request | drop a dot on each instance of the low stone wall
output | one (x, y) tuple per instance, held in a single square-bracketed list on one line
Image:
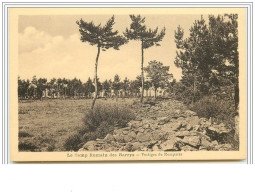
[(166, 126)]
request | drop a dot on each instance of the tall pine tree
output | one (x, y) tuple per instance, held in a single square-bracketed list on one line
[(148, 37), (103, 37)]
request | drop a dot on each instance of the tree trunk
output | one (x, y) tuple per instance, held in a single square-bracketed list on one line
[(142, 76), (96, 64)]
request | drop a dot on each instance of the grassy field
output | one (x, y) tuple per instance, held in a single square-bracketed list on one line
[(44, 126)]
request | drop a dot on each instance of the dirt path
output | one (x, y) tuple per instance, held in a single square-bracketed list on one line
[(165, 126)]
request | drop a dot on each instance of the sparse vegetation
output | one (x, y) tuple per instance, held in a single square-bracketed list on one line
[(98, 122), (46, 125)]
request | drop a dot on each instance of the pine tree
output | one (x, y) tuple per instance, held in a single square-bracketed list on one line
[(158, 75), (148, 38), (103, 37)]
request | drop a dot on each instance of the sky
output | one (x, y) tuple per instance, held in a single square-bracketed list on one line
[(50, 46)]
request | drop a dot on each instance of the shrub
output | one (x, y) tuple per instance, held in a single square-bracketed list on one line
[(24, 134), (39, 143), (219, 110), (99, 122), (73, 142), (27, 145), (222, 111), (109, 115)]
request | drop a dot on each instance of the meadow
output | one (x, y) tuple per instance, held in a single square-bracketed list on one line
[(45, 125)]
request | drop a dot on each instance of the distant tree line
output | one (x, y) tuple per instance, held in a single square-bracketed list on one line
[(157, 76)]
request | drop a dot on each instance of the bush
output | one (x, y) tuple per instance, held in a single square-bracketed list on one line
[(220, 110), (24, 134), (73, 142), (39, 143), (27, 146), (99, 122), (110, 115)]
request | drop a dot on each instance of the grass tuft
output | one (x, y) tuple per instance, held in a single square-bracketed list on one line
[(97, 123)]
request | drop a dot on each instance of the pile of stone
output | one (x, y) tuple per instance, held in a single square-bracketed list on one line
[(166, 126)]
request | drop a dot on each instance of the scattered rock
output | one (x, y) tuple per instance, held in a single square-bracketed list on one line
[(168, 145), (147, 126), (119, 138), (128, 147), (172, 126), (156, 147), (163, 120), (190, 113), (132, 134), (196, 128), (165, 126), (125, 132), (143, 137), (189, 127), (128, 138), (136, 146), (185, 133), (90, 145), (219, 133), (206, 144), (192, 140), (223, 147), (109, 138)]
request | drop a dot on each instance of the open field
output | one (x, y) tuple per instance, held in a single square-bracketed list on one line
[(166, 124), (44, 126)]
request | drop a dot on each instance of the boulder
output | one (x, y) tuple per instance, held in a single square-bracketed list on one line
[(177, 112), (134, 124), (193, 121), (125, 132), (146, 126), (192, 141), (90, 145), (163, 120), (172, 126), (109, 138), (127, 138), (141, 130), (132, 134), (143, 137), (206, 144), (119, 138), (136, 146), (117, 131), (128, 147), (168, 145), (189, 127), (158, 135), (185, 133), (188, 148), (219, 133), (190, 113), (196, 127), (156, 147), (223, 147)]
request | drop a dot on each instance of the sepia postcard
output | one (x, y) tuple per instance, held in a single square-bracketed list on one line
[(127, 84)]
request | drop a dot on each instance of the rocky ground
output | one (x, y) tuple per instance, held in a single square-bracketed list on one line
[(165, 126)]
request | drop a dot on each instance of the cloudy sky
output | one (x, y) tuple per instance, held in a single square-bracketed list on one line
[(50, 46)]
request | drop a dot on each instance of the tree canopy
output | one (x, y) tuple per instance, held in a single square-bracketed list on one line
[(157, 74), (102, 36)]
